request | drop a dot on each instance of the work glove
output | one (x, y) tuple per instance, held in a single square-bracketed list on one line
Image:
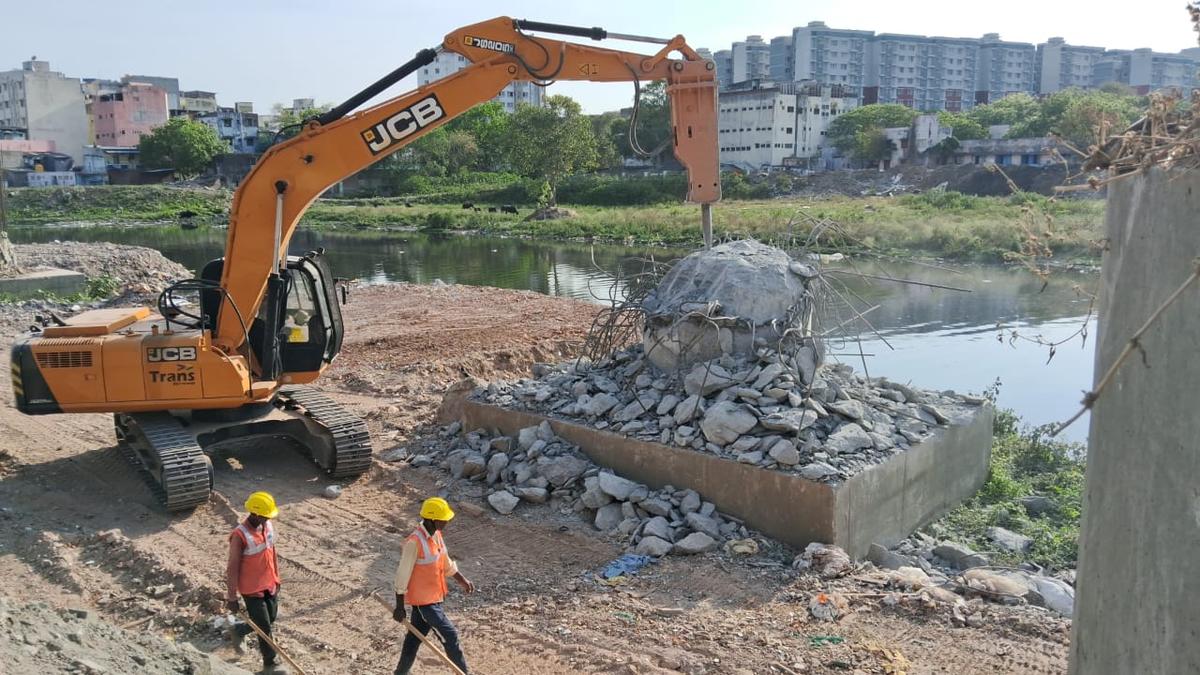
[(399, 615)]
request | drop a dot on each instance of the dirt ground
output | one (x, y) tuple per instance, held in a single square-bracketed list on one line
[(539, 606)]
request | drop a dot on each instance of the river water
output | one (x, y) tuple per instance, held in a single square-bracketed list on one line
[(933, 338)]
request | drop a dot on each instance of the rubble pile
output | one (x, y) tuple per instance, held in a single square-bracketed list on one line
[(538, 467), (755, 411), (135, 270), (34, 638), (731, 364)]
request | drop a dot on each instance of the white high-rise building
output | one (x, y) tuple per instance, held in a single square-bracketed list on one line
[(510, 97), (751, 59), (1063, 66)]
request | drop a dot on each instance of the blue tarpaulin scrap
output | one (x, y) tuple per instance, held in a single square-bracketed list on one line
[(629, 563)]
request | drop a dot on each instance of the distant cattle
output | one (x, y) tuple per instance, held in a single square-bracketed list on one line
[(478, 210), (409, 204), (468, 205), (508, 208), (492, 209)]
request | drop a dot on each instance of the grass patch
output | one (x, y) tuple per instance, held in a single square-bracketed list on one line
[(115, 203), (1025, 461), (936, 223)]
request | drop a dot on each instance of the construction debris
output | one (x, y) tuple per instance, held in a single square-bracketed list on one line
[(756, 411), (539, 467), (35, 638)]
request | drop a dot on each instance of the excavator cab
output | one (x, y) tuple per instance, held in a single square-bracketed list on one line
[(305, 312)]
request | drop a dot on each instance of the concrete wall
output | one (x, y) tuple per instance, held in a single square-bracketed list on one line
[(884, 503), (1136, 608)]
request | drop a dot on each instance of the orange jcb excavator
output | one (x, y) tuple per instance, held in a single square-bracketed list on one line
[(190, 376)]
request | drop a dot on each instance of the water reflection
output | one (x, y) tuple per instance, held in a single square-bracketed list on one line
[(938, 338)]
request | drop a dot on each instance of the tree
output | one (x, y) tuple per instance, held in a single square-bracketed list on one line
[(610, 129), (1011, 109), (1078, 116), (445, 152), (962, 127), (487, 124), (181, 144), (551, 142), (286, 117), (844, 133), (1118, 88), (873, 146)]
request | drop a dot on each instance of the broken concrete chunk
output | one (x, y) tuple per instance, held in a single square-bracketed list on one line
[(818, 471), (656, 506), (657, 527), (694, 543), (785, 453), (705, 379), (608, 517), (848, 438), (526, 437), (653, 546), (690, 502), (725, 422), (597, 405), (503, 501), (615, 486), (561, 470), (853, 409), (667, 404), (1009, 540), (535, 495), (704, 524)]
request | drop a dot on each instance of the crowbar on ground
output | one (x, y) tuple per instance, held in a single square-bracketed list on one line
[(263, 636)]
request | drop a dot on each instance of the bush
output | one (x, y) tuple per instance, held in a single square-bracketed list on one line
[(1025, 462), (943, 200), (438, 221)]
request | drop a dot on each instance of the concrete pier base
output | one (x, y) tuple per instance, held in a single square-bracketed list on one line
[(1136, 605), (30, 284), (884, 503)]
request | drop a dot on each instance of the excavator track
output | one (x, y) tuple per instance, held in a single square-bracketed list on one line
[(351, 441), (167, 456)]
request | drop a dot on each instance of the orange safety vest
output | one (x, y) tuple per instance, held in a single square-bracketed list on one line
[(427, 585), (258, 571)]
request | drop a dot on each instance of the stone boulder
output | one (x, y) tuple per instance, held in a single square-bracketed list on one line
[(726, 421)]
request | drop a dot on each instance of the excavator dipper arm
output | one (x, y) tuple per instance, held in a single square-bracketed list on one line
[(292, 174)]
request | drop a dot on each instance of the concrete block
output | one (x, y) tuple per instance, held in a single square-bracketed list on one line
[(32, 284), (882, 504)]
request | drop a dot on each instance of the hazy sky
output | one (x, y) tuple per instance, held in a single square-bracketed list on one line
[(271, 51)]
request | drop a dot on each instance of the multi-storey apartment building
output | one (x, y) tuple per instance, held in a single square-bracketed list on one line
[(926, 73), (1003, 68), (831, 56), (751, 59), (1062, 66), (510, 97)]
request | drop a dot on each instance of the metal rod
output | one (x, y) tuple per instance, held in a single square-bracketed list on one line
[(429, 643), (3, 200), (269, 641), (899, 281), (706, 224), (423, 58), (638, 38), (280, 188)]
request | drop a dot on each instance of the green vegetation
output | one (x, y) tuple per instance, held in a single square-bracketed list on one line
[(1024, 462), (550, 142), (859, 132), (946, 224), (115, 203), (181, 144), (636, 211)]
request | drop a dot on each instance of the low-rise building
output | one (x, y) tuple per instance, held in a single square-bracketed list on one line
[(121, 119), (1006, 152), (238, 129), (764, 124), (193, 103), (46, 105)]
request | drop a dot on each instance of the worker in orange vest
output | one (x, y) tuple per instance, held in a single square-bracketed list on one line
[(421, 583), (253, 573)]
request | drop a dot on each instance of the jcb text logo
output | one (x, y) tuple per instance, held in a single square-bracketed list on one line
[(403, 124), (493, 45), (159, 354)]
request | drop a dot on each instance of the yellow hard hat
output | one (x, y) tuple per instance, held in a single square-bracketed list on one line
[(436, 508), (262, 504)]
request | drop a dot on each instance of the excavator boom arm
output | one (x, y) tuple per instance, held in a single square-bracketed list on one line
[(292, 174)]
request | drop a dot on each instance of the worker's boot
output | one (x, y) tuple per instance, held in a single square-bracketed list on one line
[(275, 669)]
